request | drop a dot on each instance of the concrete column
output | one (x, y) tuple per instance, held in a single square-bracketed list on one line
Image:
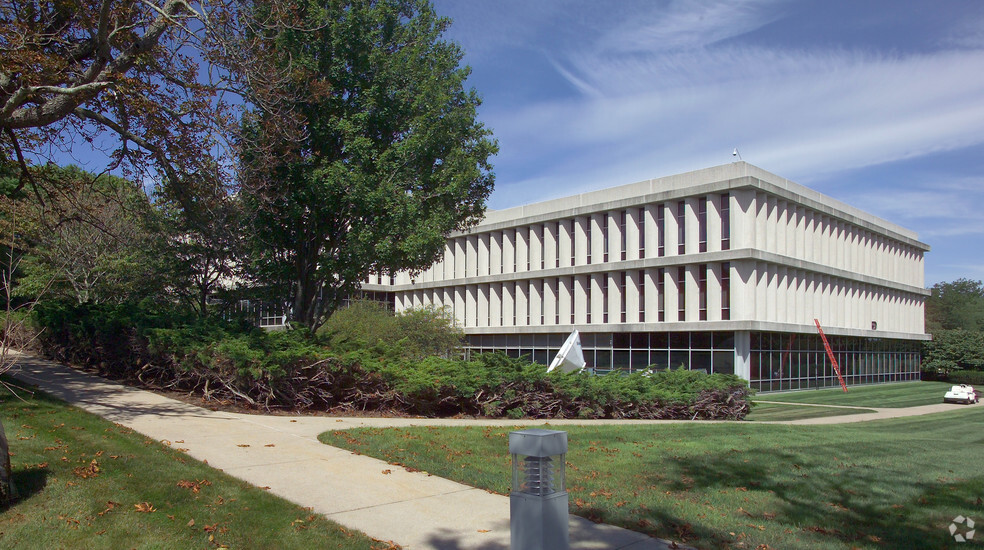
[(522, 303), (714, 291), (508, 304), (522, 249), (614, 297), (743, 218), (614, 222), (536, 247), (483, 254), (692, 227), (713, 223), (761, 292), (633, 313), (743, 353), (632, 232), (671, 229), (598, 222), (651, 230), (597, 298), (693, 292), (650, 311), (581, 304), (459, 306), (550, 301), (565, 243), (799, 248), (509, 251), (459, 258), (781, 227), (471, 255), (482, 297), (671, 294), (565, 295), (495, 305), (550, 245), (581, 224), (471, 306), (771, 223), (536, 302), (495, 253)]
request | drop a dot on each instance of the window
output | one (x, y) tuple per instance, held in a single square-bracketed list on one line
[(587, 237), (642, 295), (641, 221), (661, 294), (622, 232), (702, 223), (556, 298), (621, 289), (604, 238), (604, 298), (557, 244), (661, 229), (726, 291), (572, 287), (726, 221), (681, 293), (587, 299), (681, 227), (573, 247), (702, 291)]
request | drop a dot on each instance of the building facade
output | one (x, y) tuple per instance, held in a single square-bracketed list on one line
[(724, 269)]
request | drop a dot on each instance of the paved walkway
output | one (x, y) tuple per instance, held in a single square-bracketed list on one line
[(413, 509)]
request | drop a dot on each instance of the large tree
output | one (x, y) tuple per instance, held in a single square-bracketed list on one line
[(955, 305), (390, 158), (141, 80)]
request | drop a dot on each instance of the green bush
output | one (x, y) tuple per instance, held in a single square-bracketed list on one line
[(954, 350), (972, 377), (239, 363), (416, 332)]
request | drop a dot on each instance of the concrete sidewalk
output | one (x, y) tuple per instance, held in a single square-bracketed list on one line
[(413, 509)]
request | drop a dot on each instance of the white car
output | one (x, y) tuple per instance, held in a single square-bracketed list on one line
[(961, 394)]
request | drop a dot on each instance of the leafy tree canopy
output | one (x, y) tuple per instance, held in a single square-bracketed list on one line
[(390, 160), (955, 305)]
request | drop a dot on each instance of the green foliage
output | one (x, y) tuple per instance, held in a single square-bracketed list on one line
[(953, 350), (972, 377), (391, 157), (233, 361), (414, 333), (956, 305)]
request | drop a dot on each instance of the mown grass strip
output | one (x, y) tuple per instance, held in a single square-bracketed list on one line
[(902, 394), (775, 412), (88, 483), (876, 485)]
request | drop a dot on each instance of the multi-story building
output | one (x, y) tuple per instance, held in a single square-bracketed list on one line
[(724, 269)]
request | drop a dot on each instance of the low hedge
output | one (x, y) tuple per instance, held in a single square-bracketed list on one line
[(236, 363), (972, 377)]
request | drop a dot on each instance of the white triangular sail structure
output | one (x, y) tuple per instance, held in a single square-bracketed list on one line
[(569, 358)]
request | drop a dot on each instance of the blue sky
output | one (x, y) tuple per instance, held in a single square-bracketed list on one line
[(877, 103)]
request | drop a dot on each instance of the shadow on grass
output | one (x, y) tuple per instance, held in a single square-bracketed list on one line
[(27, 483), (853, 503)]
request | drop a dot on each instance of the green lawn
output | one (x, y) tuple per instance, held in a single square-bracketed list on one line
[(902, 394), (774, 412), (88, 483), (884, 484)]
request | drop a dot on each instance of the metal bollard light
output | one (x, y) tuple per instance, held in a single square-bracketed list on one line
[(538, 500)]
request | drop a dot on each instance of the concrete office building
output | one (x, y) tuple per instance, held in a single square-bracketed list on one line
[(722, 269)]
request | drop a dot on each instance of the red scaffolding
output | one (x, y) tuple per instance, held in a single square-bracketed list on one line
[(830, 354)]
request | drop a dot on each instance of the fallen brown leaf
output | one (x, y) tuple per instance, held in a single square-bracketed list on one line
[(145, 507)]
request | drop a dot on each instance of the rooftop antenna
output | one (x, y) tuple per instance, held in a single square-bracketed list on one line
[(735, 153)]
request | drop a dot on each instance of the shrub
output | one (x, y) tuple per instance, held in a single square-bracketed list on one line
[(972, 377), (255, 368), (416, 332), (953, 350)]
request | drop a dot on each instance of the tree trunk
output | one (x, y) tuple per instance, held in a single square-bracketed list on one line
[(7, 491)]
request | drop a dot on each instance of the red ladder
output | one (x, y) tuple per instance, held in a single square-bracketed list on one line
[(830, 354)]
